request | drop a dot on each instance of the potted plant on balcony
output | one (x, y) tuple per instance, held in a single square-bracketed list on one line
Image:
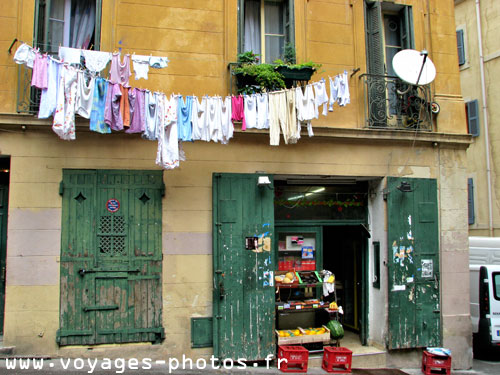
[(290, 70), (252, 77)]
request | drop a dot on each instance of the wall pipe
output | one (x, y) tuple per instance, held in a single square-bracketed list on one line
[(485, 115)]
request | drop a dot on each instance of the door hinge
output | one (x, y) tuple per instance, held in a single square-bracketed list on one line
[(100, 308)]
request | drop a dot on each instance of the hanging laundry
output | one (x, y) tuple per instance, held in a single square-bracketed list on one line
[(96, 61), (70, 55), (125, 107), (212, 118), (112, 114), (321, 97), (334, 92), (226, 123), (120, 72), (184, 126), (158, 62), (200, 130), (136, 99), (344, 96), (141, 66), (277, 116), (167, 155), (262, 111), (25, 55), (292, 134), (97, 123), (84, 94), (305, 107), (250, 109), (64, 117), (151, 109), (238, 111), (48, 99), (39, 74)]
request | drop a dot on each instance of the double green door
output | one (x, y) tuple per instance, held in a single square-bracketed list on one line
[(111, 257)]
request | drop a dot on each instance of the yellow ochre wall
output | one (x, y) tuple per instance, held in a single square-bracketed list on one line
[(200, 39)]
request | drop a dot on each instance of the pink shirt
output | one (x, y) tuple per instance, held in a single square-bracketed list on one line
[(39, 75), (238, 111), (120, 72)]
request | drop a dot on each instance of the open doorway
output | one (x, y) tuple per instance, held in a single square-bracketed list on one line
[(343, 255)]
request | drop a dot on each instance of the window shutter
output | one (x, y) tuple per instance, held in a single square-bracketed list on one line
[(472, 108), (460, 47), (290, 22), (406, 29), (470, 199), (374, 40), (241, 25)]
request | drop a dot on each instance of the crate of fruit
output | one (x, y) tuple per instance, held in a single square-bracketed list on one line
[(287, 278), (321, 334), (289, 336)]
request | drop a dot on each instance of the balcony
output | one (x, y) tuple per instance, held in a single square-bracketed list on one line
[(28, 97), (393, 104)]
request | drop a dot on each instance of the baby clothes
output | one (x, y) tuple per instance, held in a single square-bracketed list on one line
[(84, 95), (334, 92), (70, 55), (305, 107), (141, 66), (158, 62), (39, 74), (95, 61), (120, 72), (321, 96), (64, 117), (262, 111), (212, 114), (250, 109), (184, 126), (200, 130), (25, 55), (344, 96), (238, 111), (97, 123), (112, 113), (225, 120), (167, 155), (48, 99), (136, 99), (151, 108)]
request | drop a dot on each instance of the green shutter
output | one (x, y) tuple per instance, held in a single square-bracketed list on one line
[(241, 26), (374, 38), (111, 257), (406, 28), (289, 22), (461, 47), (472, 108), (413, 264), (243, 304), (470, 200)]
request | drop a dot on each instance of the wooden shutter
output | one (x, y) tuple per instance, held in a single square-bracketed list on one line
[(289, 22), (472, 109), (413, 264), (243, 298), (470, 200), (374, 38), (406, 28), (461, 47)]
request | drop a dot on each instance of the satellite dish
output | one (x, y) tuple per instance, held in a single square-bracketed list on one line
[(414, 67)]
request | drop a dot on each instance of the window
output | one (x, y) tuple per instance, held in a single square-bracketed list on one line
[(69, 23), (461, 47), (472, 113), (470, 200), (389, 29), (496, 285), (265, 26)]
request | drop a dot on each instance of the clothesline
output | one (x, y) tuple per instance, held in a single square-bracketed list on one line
[(112, 104)]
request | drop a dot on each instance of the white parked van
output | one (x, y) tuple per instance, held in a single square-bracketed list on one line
[(484, 257)]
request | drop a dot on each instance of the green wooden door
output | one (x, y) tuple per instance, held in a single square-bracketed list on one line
[(111, 257), (413, 264), (243, 298), (4, 198)]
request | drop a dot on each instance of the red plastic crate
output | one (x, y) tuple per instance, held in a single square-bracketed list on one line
[(296, 358), (337, 360), (433, 364)]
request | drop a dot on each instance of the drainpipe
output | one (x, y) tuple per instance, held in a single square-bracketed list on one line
[(485, 116)]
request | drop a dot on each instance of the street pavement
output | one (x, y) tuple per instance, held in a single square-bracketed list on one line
[(57, 366)]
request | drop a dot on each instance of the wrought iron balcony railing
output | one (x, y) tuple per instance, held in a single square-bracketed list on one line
[(393, 104), (28, 97)]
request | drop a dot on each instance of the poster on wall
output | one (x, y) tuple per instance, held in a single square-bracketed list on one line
[(427, 268)]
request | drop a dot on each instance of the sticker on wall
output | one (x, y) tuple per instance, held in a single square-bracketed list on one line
[(113, 205), (427, 268)]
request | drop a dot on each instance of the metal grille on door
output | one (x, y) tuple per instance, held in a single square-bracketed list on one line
[(112, 235)]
